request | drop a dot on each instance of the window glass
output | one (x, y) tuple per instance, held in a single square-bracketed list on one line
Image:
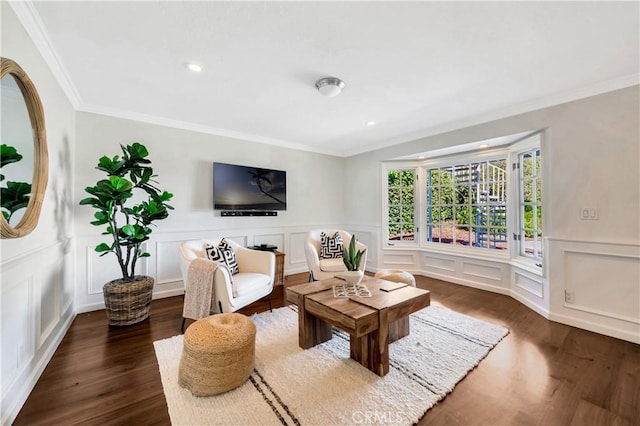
[(463, 195), (401, 204)]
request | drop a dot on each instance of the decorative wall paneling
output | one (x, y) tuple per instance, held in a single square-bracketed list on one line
[(36, 312), (94, 271), (602, 282)]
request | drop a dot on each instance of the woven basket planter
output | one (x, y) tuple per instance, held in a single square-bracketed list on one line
[(128, 302)]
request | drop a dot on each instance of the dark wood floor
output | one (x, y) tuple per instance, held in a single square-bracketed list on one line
[(542, 373)]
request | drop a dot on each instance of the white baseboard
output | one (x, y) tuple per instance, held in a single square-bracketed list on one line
[(596, 328)]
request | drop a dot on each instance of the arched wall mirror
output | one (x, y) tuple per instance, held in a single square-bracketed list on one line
[(25, 167)]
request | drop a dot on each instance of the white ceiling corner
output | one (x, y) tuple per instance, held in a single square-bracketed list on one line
[(416, 68), (28, 16)]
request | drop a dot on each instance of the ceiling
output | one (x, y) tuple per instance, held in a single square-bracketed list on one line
[(415, 68)]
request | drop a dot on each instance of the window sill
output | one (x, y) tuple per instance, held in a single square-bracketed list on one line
[(528, 265)]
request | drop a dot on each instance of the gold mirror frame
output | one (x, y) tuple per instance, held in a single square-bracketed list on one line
[(40, 157)]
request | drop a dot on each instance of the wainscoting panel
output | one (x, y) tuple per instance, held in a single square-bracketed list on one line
[(295, 252), (36, 312), (404, 260), (270, 239), (50, 300), (168, 262), (439, 264), (102, 269), (484, 274), (488, 272), (93, 271), (18, 327), (602, 284), (588, 275), (530, 284)]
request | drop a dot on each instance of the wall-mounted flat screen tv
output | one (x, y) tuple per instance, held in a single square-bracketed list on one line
[(248, 188)]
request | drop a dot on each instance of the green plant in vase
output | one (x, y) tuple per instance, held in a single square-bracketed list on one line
[(128, 225), (351, 258), (15, 195)]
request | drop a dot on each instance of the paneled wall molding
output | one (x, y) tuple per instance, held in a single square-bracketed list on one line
[(617, 244), (14, 261), (20, 388), (37, 310), (466, 282), (164, 266), (597, 274), (595, 286)]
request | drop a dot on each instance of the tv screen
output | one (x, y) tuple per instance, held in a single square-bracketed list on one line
[(248, 188)]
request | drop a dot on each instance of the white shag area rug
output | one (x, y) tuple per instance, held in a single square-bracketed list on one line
[(323, 386)]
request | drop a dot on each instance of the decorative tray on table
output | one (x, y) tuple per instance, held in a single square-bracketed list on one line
[(351, 290)]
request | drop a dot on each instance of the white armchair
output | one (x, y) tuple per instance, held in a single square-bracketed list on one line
[(320, 269), (253, 281)]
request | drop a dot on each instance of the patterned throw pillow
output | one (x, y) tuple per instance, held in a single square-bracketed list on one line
[(330, 247), (223, 254)]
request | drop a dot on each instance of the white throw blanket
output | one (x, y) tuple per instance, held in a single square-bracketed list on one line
[(199, 288)]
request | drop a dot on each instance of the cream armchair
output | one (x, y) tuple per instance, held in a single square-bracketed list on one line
[(320, 269), (253, 281)]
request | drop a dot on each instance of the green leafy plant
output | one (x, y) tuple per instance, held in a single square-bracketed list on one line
[(351, 256), (128, 225), (15, 195)]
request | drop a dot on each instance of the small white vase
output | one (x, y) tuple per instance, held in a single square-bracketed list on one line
[(352, 277)]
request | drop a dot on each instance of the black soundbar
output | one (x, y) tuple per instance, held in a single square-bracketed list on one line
[(246, 213)]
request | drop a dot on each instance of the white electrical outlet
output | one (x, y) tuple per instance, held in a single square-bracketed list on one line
[(569, 296), (588, 213)]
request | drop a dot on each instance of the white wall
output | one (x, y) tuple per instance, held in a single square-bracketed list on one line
[(36, 289), (591, 159), (183, 161)]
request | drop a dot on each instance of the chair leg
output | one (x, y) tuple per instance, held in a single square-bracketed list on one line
[(220, 306), (269, 299), (182, 326)]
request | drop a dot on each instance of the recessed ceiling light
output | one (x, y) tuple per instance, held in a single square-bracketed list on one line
[(371, 123), (484, 145), (194, 67), (421, 157)]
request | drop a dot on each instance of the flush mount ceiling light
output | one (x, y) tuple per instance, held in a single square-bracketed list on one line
[(330, 86), (371, 123)]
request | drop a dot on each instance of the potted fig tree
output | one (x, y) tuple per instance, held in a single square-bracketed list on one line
[(127, 225)]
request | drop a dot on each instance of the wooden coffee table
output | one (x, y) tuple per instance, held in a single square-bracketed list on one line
[(372, 322)]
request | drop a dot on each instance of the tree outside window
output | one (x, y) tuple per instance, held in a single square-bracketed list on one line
[(401, 194)]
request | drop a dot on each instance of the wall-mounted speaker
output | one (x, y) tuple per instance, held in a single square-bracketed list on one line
[(247, 213)]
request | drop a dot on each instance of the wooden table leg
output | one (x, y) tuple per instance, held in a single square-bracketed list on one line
[(311, 330), (398, 329), (372, 350)]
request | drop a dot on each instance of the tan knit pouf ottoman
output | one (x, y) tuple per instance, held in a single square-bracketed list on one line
[(397, 276), (218, 354)]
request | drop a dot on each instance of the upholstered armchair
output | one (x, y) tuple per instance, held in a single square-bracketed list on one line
[(322, 268), (228, 293)]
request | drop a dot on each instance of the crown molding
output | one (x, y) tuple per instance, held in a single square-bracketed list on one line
[(524, 107), (30, 19), (196, 127)]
